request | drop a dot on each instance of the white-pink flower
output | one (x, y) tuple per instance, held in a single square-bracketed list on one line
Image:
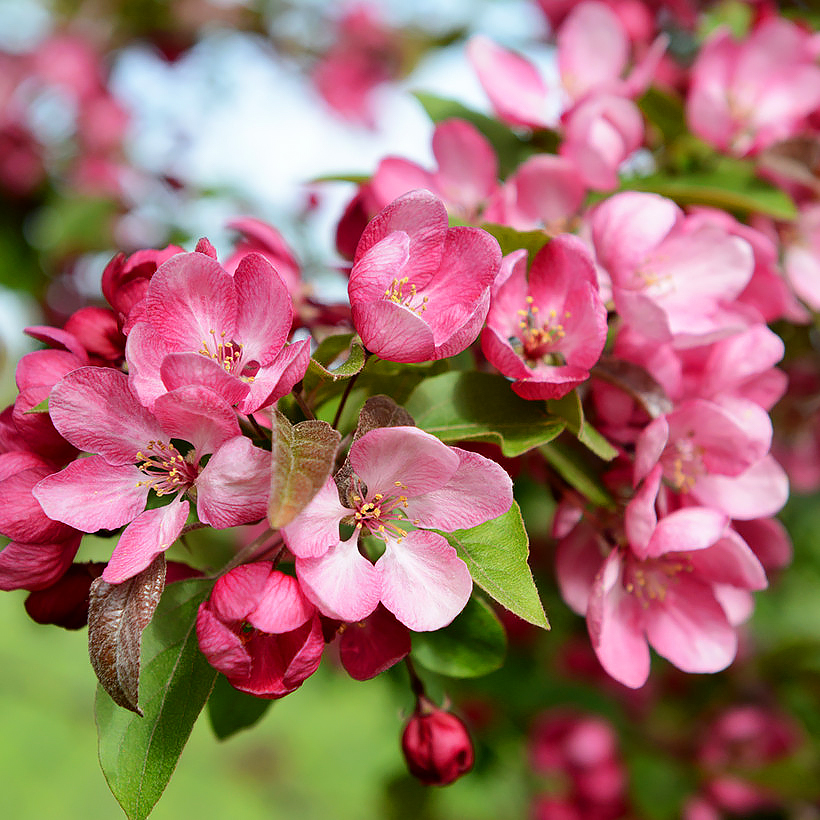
[(403, 479)]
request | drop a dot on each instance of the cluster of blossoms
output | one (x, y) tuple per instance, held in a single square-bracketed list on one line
[(192, 400)]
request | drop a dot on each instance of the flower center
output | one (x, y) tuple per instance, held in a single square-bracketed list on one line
[(381, 514), (168, 472), (649, 580), (683, 463), (537, 337), (227, 354), (403, 293)]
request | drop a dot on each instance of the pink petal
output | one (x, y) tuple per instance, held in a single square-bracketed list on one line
[(143, 539), (640, 519), (62, 338), (264, 310), (369, 647), (689, 627), (145, 353), (94, 409), (396, 176), (21, 517), (277, 379), (692, 528), (197, 415), (342, 583), (394, 332), (184, 369), (283, 606), (515, 88), (615, 623), (237, 593), (92, 495), (478, 491), (35, 566), (402, 457), (548, 189), (191, 299), (423, 581), (221, 645), (234, 487), (45, 367), (730, 561), (316, 528), (577, 561)]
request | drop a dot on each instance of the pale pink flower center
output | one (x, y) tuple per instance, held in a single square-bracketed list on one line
[(538, 336), (381, 515), (402, 292), (168, 471), (683, 461), (228, 355), (649, 580)]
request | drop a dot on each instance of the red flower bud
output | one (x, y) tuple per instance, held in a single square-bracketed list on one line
[(436, 745)]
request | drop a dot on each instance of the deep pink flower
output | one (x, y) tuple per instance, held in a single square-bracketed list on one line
[(368, 647), (402, 477), (95, 410), (260, 631), (201, 326), (420, 290), (545, 331)]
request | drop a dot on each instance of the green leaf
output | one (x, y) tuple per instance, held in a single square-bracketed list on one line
[(731, 186), (510, 149), (570, 409), (327, 353), (139, 754), (496, 555), (302, 457), (665, 111), (42, 407), (463, 405), (230, 710), (577, 473), (512, 240), (474, 644)]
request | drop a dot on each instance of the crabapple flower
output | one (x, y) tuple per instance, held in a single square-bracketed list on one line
[(662, 585), (545, 332), (436, 745), (201, 326), (260, 631), (133, 454), (420, 290), (401, 477)]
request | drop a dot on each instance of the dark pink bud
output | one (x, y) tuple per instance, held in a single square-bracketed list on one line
[(65, 602), (436, 745)]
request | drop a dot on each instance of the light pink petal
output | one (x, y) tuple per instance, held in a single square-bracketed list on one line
[(283, 606), (515, 88), (640, 518), (143, 539), (264, 311), (234, 487), (278, 378), (501, 355), (92, 495), (184, 369), (730, 561), (461, 337), (316, 528), (738, 604), (478, 491), (760, 491), (424, 582), (396, 176), (197, 415), (548, 190), (768, 539), (650, 446), (593, 49), (94, 409), (145, 352), (35, 566), (191, 300), (21, 517), (467, 168), (406, 460), (691, 528), (550, 382), (45, 367), (615, 623), (394, 332), (642, 74), (577, 561), (342, 583), (689, 627)]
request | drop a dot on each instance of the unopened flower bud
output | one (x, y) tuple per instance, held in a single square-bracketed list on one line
[(436, 745)]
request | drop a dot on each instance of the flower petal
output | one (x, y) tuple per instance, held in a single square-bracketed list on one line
[(316, 528)]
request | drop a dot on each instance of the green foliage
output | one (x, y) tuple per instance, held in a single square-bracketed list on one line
[(139, 754), (512, 240), (496, 553), (474, 644), (458, 406), (569, 408), (230, 710), (329, 351)]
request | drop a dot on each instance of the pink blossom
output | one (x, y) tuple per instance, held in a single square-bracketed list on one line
[(402, 477), (801, 257), (675, 278), (369, 647), (95, 410), (745, 96), (545, 331), (258, 629), (436, 745), (200, 325), (420, 290), (661, 587)]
